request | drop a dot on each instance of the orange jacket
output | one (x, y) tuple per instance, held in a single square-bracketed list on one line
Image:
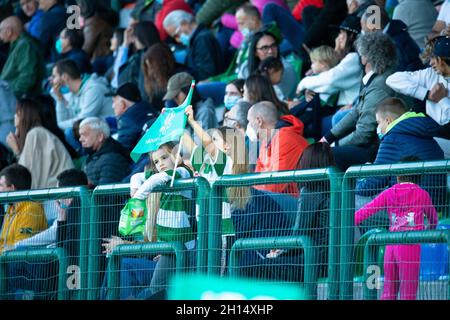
[(282, 153)]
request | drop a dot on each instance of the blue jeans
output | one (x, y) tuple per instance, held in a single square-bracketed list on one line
[(338, 116), (291, 29)]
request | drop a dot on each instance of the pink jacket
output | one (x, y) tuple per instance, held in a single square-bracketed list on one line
[(406, 204)]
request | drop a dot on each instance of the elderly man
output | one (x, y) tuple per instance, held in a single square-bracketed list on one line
[(430, 85), (24, 69), (355, 135), (281, 143), (107, 161), (204, 57)]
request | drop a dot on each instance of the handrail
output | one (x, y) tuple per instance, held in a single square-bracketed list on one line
[(287, 242), (405, 237), (142, 249)]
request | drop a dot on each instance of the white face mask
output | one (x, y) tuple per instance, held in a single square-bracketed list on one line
[(251, 133), (246, 33)]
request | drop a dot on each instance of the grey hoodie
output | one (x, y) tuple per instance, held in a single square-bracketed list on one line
[(419, 16), (90, 101)]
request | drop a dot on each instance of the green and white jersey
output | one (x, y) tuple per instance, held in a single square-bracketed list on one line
[(174, 218), (211, 169)]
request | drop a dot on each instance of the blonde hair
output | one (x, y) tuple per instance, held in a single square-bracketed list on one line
[(238, 196), (325, 54)]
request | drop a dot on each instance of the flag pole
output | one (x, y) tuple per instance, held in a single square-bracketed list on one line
[(176, 161)]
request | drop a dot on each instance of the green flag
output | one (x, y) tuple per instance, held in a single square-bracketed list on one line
[(168, 127)]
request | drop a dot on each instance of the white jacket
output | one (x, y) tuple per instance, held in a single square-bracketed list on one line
[(416, 84), (344, 78)]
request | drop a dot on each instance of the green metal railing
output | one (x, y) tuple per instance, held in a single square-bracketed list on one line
[(41, 255), (144, 249), (301, 242), (200, 185), (330, 175), (347, 228), (409, 237)]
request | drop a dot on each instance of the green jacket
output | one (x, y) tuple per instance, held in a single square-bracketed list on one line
[(24, 70), (213, 9)]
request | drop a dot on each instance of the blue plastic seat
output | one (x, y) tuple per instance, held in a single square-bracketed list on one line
[(434, 260)]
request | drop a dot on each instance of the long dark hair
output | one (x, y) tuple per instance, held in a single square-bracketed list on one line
[(147, 33), (253, 60), (158, 65), (30, 117), (260, 88), (316, 156)]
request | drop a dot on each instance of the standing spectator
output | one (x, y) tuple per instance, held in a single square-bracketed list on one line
[(52, 22), (204, 57), (430, 85), (281, 143), (69, 46), (407, 204), (355, 134), (22, 219), (36, 148), (132, 114), (419, 16), (24, 69), (158, 65), (31, 9), (107, 161), (86, 96)]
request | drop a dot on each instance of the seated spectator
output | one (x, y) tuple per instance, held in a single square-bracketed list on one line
[(281, 143), (158, 65), (169, 6), (355, 134), (22, 219), (272, 68), (236, 117), (132, 114), (24, 68), (36, 148), (430, 85), (419, 16), (402, 134), (407, 50), (96, 29), (107, 161), (204, 111), (258, 88), (442, 21), (263, 45), (31, 9), (69, 46), (85, 97), (142, 35), (204, 55), (234, 92), (53, 21), (116, 59)]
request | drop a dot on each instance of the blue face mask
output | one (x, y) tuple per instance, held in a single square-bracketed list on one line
[(185, 39), (379, 133), (58, 46), (160, 1), (230, 101), (64, 89)]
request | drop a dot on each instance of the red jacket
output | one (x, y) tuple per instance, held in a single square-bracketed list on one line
[(282, 153), (168, 7), (298, 9)]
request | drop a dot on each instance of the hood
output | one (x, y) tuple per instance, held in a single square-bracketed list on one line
[(396, 27), (290, 123), (415, 124)]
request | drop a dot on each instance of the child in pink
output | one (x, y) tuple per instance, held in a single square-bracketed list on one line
[(407, 204)]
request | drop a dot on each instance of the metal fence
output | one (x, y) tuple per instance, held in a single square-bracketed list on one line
[(303, 235)]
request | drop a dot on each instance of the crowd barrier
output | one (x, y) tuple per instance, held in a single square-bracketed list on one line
[(348, 255)]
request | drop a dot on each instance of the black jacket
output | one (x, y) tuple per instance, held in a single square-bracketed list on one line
[(204, 58), (107, 165)]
